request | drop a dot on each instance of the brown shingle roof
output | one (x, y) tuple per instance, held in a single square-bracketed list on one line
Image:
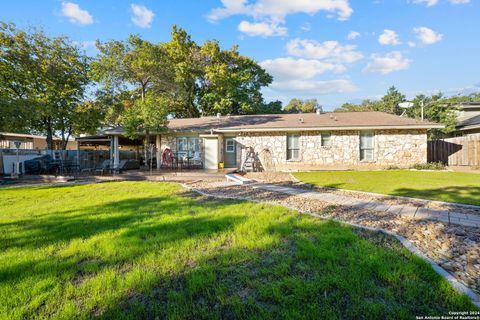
[(294, 122), (309, 121)]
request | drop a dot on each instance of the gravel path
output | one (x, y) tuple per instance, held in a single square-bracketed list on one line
[(454, 247)]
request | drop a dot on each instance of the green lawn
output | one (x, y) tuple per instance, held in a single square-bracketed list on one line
[(443, 186), (147, 250)]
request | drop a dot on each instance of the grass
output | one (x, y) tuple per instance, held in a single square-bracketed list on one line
[(151, 250), (456, 187)]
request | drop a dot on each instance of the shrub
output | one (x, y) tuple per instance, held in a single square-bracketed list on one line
[(429, 166), (392, 168)]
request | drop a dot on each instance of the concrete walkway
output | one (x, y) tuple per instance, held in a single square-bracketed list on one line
[(412, 212)]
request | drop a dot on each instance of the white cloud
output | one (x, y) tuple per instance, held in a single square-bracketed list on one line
[(314, 87), (263, 29), (278, 10), (306, 27), (142, 16), (427, 36), (286, 69), (390, 62), (389, 37), (75, 14), (297, 76), (412, 44), (429, 3), (331, 51), (352, 35)]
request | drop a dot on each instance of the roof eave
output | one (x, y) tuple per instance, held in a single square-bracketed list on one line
[(470, 127), (336, 128)]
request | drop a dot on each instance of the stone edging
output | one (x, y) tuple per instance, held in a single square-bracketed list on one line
[(405, 242), (425, 201)]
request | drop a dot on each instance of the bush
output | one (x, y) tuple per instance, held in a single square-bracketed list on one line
[(392, 168), (429, 166)]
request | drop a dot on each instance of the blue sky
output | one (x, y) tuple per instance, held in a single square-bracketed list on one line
[(332, 50)]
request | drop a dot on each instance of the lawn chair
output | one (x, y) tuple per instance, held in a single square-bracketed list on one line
[(104, 167), (197, 159)]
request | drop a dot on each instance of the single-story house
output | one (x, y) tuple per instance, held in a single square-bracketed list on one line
[(31, 142), (294, 141)]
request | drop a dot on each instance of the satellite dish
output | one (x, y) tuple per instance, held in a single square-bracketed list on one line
[(405, 105)]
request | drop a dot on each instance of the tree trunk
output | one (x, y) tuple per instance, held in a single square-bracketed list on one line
[(65, 139), (49, 134)]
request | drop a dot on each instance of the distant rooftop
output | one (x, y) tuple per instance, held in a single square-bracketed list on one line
[(31, 136)]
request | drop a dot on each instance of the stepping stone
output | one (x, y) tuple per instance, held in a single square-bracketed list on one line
[(424, 213), (404, 210), (408, 211), (372, 205), (361, 204), (395, 209), (382, 207)]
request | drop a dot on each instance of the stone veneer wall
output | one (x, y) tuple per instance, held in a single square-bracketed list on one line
[(400, 148)]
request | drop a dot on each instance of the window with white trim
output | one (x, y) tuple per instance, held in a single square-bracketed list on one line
[(293, 147), (366, 146), (326, 139), (229, 145)]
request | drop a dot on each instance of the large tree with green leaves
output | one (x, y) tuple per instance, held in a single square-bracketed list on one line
[(302, 106), (388, 103), (437, 108), (192, 80), (43, 83), (136, 76), (230, 83)]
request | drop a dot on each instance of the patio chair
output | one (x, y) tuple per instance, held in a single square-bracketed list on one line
[(104, 167), (197, 159)]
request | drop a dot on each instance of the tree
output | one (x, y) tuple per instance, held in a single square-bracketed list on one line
[(185, 59), (146, 115), (437, 109), (43, 82), (15, 66), (388, 103), (302, 106), (135, 75), (231, 83), (273, 107)]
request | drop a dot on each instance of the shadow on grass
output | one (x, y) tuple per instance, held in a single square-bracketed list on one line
[(316, 272), (188, 257), (457, 194)]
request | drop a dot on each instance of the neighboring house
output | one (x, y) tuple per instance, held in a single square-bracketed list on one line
[(296, 141), (31, 142), (31, 146), (468, 117)]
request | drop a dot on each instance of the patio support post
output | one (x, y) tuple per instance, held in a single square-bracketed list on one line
[(159, 151), (116, 154), (78, 154), (110, 151)]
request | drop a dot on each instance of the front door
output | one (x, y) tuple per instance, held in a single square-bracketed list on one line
[(230, 153), (211, 152)]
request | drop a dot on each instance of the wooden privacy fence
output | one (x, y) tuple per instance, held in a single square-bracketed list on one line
[(458, 151)]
